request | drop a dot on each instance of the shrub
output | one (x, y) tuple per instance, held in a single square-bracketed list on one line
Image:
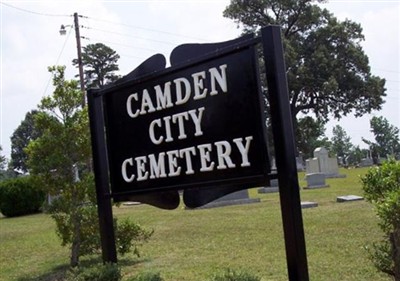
[(100, 272), (146, 276), (129, 235), (20, 196), (232, 275), (382, 188)]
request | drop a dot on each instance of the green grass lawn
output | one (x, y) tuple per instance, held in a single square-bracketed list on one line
[(190, 245)]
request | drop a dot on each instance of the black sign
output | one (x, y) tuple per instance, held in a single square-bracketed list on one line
[(197, 126), (200, 124)]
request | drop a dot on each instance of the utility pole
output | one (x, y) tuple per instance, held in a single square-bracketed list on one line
[(80, 65), (78, 47)]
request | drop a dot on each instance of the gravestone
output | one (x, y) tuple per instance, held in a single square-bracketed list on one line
[(273, 187), (273, 183), (322, 156), (235, 198), (312, 166), (366, 162), (382, 159), (322, 163), (349, 198), (131, 203), (300, 164), (308, 204), (315, 180)]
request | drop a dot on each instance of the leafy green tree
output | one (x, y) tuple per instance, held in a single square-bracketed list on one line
[(310, 135), (387, 140), (382, 188), (55, 156), (20, 139), (3, 159), (341, 142), (99, 64), (57, 160), (327, 69), (5, 173), (355, 155)]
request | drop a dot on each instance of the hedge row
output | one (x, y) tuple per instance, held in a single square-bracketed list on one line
[(20, 196)]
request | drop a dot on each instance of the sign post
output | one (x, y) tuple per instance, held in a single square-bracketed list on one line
[(284, 146), (100, 167)]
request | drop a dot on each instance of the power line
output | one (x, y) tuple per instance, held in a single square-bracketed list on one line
[(132, 36), (125, 45), (58, 59), (63, 47), (35, 13), (148, 29)]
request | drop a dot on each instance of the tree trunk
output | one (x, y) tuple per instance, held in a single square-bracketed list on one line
[(76, 243), (75, 254), (396, 253), (76, 235)]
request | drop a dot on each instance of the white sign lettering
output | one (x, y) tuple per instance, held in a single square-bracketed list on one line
[(206, 157), (172, 163)]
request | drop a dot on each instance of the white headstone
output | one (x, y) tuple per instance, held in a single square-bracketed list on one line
[(322, 155), (348, 198), (333, 167), (308, 204), (312, 166), (322, 163)]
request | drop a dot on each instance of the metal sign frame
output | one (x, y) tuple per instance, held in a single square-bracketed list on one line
[(284, 147)]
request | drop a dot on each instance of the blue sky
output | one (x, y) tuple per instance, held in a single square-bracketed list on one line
[(30, 42)]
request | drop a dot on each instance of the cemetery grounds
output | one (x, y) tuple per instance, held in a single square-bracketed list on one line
[(191, 245)]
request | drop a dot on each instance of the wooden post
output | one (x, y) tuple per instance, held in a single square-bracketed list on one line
[(100, 167), (282, 129)]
